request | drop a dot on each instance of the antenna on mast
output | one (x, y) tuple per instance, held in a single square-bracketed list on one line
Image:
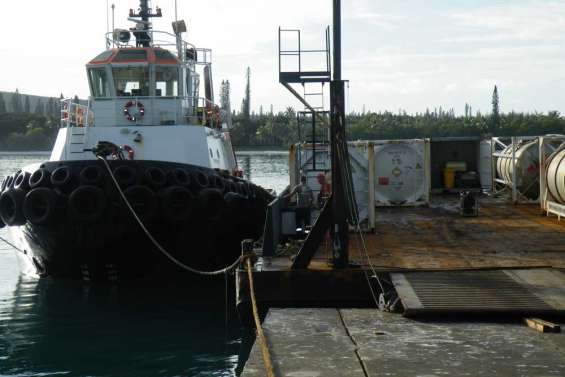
[(144, 25), (107, 24)]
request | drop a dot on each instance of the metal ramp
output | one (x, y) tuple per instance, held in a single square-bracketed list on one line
[(512, 291)]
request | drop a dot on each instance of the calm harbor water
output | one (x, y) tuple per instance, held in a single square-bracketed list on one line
[(52, 328)]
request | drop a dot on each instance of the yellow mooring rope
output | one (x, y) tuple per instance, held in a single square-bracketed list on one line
[(262, 340)]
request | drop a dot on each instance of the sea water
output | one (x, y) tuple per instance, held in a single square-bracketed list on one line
[(69, 328)]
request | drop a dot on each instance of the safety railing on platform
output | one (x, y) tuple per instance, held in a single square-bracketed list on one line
[(196, 110), (74, 114)]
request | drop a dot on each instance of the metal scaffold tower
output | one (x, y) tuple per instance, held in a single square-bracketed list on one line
[(340, 211)]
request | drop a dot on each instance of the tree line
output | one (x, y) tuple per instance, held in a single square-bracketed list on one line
[(286, 127), (28, 122), (31, 123)]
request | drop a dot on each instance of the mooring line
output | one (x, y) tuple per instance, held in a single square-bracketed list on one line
[(262, 340), (155, 242), (10, 244)]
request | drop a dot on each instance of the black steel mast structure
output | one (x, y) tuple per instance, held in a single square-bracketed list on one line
[(341, 174), (339, 212), (145, 13)]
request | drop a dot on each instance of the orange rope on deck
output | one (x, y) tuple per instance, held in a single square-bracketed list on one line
[(262, 340)]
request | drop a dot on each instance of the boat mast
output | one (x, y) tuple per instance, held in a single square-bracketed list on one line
[(144, 25)]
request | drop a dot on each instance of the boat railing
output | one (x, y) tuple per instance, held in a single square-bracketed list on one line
[(195, 110), (75, 114), (187, 51)]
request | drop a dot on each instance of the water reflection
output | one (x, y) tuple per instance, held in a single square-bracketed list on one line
[(61, 327)]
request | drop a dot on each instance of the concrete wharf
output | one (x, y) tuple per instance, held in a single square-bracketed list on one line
[(453, 293)]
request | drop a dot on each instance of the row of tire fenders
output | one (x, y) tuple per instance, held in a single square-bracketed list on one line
[(44, 197)]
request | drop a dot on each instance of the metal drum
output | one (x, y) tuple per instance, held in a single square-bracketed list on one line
[(527, 168), (556, 177)]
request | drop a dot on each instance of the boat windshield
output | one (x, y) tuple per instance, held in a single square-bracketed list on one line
[(99, 82), (166, 81), (131, 81)]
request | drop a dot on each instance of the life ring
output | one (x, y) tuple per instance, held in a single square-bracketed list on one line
[(140, 111)]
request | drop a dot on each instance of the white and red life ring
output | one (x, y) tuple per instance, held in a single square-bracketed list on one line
[(135, 116)]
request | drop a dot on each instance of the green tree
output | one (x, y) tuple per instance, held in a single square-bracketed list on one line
[(39, 107), (27, 105), (16, 102), (2, 104), (495, 116)]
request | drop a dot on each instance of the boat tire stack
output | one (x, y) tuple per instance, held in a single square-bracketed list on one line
[(82, 192)]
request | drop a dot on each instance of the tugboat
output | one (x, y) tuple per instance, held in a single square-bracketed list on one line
[(141, 176)]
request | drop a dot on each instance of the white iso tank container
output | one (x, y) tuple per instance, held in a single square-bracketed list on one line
[(555, 177), (401, 171), (527, 167), (485, 164)]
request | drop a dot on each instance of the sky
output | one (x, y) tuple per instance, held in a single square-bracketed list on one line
[(397, 54)]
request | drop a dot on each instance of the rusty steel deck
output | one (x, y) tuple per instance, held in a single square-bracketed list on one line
[(437, 237), (434, 238)]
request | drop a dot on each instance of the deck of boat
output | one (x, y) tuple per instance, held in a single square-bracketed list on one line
[(438, 237)]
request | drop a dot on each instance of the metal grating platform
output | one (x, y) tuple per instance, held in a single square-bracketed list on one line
[(527, 291)]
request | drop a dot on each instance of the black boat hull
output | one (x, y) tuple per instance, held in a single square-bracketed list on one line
[(80, 227)]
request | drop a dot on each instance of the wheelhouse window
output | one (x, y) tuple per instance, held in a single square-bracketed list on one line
[(166, 81), (131, 81), (99, 82)]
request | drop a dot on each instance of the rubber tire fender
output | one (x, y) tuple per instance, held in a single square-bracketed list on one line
[(235, 203), (218, 182), (125, 175), (11, 207), (155, 177), (143, 201), (212, 203), (62, 178), (179, 177), (40, 205), (200, 180), (91, 175), (40, 178), (87, 204), (177, 203), (243, 189), (9, 182), (4, 184), (22, 181)]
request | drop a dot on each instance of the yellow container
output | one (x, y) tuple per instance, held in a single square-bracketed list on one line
[(449, 178)]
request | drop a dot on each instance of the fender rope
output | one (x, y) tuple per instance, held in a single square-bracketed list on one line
[(156, 243), (262, 340)]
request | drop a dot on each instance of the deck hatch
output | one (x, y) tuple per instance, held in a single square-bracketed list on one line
[(501, 291)]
